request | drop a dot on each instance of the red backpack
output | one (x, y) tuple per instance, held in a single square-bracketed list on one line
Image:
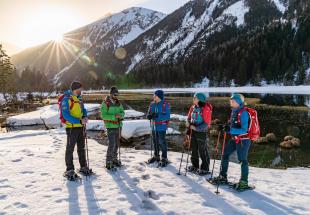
[(254, 127), (62, 119), (206, 113)]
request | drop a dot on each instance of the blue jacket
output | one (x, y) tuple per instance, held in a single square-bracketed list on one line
[(242, 128), (197, 120), (162, 115), (66, 109)]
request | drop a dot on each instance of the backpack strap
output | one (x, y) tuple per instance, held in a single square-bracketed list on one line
[(72, 102), (240, 113)]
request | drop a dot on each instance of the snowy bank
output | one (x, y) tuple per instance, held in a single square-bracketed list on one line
[(50, 116), (300, 90), (131, 128), (32, 163)]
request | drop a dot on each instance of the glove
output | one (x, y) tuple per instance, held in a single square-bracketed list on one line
[(220, 127), (149, 117), (226, 128), (152, 116), (186, 142)]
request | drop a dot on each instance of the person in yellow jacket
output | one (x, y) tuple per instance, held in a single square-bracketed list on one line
[(74, 115)]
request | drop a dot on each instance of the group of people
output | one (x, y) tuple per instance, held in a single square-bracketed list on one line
[(74, 116)]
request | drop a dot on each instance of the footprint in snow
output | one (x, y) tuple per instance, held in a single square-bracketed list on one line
[(17, 160), (20, 205), (151, 194), (56, 189), (145, 177), (2, 197), (26, 172), (148, 205)]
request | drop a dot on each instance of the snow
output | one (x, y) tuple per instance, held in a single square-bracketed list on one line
[(32, 163), (239, 9), (48, 114), (281, 6), (297, 90), (204, 83), (131, 128), (178, 117)]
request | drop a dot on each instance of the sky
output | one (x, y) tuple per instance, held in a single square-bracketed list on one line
[(25, 23)]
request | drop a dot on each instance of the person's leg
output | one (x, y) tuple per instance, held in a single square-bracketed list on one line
[(156, 144), (203, 151), (163, 144), (195, 153), (230, 147), (81, 147), (110, 151), (242, 152), (117, 142), (71, 140)]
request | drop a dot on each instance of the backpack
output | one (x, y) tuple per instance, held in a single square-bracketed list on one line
[(206, 113), (60, 99), (254, 127)]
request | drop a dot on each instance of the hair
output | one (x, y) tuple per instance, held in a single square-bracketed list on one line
[(201, 104)]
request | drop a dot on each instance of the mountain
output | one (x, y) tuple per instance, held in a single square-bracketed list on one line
[(84, 45), (223, 42), (10, 48), (219, 39)]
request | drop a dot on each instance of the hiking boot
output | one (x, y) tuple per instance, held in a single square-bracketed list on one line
[(192, 169), (203, 172), (71, 175), (86, 171), (117, 163), (109, 165), (242, 185), (153, 160), (164, 162), (220, 180)]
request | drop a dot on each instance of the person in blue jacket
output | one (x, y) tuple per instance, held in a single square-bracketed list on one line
[(239, 141), (74, 116), (159, 115)]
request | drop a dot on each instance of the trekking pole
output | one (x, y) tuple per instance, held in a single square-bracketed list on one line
[(151, 138), (216, 153), (179, 173), (188, 151), (86, 146), (223, 148), (119, 141)]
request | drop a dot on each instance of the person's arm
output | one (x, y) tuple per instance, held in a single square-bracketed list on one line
[(84, 110), (105, 115), (122, 113), (202, 127), (66, 112), (244, 125)]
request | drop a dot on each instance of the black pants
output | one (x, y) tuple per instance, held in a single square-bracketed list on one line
[(200, 149), (75, 136)]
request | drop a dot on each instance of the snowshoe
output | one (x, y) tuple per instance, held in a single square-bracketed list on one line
[(153, 160), (72, 176), (117, 163), (241, 186), (163, 163), (202, 172), (110, 167), (218, 180), (192, 169), (86, 171)]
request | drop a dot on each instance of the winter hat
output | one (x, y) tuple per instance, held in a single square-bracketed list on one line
[(159, 94), (75, 85), (114, 90), (239, 98), (201, 97)]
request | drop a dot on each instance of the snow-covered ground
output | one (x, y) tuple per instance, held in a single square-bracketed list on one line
[(31, 182)]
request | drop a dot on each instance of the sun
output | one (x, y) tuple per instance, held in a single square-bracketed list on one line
[(58, 38)]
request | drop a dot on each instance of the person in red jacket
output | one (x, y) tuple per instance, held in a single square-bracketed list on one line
[(199, 120)]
